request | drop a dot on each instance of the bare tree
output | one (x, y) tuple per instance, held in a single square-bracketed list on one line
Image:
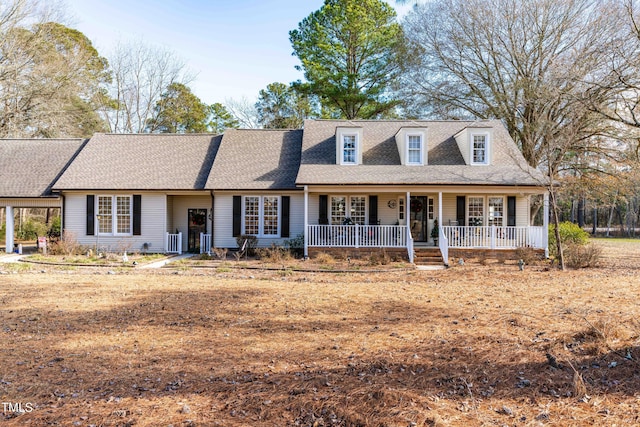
[(522, 62), (244, 112), (141, 73)]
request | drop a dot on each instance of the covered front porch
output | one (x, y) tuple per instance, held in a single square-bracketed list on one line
[(489, 220)]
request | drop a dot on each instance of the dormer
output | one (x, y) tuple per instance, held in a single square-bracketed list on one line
[(475, 145), (412, 146), (349, 145)]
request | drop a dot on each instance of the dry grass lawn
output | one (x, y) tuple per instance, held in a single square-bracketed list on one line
[(468, 346)]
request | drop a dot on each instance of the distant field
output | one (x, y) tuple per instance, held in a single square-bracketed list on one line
[(468, 346)]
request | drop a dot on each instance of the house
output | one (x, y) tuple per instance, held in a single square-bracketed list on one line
[(400, 180), (142, 192), (353, 186)]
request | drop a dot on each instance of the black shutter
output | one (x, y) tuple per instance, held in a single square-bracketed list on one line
[(323, 215), (286, 203), (237, 215), (137, 214), (460, 209), (511, 211), (373, 210), (91, 217)]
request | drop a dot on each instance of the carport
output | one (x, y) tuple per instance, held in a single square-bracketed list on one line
[(28, 170)]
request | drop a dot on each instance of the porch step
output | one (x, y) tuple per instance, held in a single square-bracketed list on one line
[(427, 256)]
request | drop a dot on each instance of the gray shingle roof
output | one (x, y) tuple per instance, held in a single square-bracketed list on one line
[(381, 161), (142, 162), (28, 167), (256, 159)]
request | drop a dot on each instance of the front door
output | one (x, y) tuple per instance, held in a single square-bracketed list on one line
[(418, 218), (197, 225)]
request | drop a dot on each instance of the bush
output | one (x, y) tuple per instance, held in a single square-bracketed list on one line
[(31, 230), (251, 243), (582, 256), (527, 254), (54, 228), (570, 234), (295, 245), (274, 254), (324, 258)]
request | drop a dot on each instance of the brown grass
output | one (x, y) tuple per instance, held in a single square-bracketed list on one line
[(469, 346)]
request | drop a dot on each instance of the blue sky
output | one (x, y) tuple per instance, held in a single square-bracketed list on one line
[(236, 47)]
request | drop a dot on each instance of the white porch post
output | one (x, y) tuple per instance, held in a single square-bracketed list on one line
[(545, 223), (440, 223), (306, 221), (9, 228)]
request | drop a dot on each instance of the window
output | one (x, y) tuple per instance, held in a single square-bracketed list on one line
[(262, 215), (114, 222), (252, 215), (349, 149), (270, 216), (430, 208), (479, 149), (414, 149), (343, 207), (476, 211), (401, 208), (496, 211)]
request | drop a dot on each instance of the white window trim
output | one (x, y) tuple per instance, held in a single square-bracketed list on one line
[(261, 216), (487, 148), (342, 148), (422, 153), (114, 215)]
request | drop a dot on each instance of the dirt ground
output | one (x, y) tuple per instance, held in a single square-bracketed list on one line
[(474, 345)]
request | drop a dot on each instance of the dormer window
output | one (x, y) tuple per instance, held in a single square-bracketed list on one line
[(480, 149), (414, 149), (412, 145), (349, 149), (349, 145)]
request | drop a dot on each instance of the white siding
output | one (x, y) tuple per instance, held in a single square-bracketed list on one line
[(152, 225), (223, 220), (32, 203), (522, 211)]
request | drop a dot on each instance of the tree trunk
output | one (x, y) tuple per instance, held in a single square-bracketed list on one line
[(556, 224), (581, 203), (595, 221)]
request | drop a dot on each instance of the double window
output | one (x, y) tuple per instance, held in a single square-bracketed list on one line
[(262, 215), (348, 209), (114, 215), (495, 211)]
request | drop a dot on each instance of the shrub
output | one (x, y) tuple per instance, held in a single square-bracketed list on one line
[(274, 253), (54, 228), (324, 258), (31, 230), (570, 234), (295, 245), (251, 243), (527, 254), (67, 245), (581, 256)]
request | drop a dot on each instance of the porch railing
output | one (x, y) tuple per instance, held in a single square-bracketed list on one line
[(205, 243), (358, 236), (173, 243), (494, 237)]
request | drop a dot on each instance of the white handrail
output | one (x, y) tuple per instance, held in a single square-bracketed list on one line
[(493, 237)]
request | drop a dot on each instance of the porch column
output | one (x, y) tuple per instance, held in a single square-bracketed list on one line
[(306, 221), (440, 223), (9, 228), (545, 225), (407, 215)]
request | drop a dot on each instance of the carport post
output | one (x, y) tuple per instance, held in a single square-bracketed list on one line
[(9, 228)]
